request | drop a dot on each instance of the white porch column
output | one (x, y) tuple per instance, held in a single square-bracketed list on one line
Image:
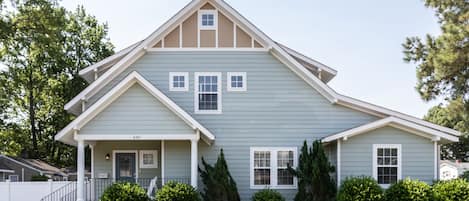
[(194, 162), (80, 170)]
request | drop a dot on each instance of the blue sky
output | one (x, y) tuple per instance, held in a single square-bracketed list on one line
[(360, 39)]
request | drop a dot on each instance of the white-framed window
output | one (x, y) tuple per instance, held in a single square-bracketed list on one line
[(269, 167), (236, 81), (13, 178), (208, 19), (148, 159), (178, 81), (387, 163), (207, 98)]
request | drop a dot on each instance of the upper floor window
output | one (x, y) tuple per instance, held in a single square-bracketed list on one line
[(269, 167), (387, 163), (207, 19), (208, 93), (178, 81), (236, 81)]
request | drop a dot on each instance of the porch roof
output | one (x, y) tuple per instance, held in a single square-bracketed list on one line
[(70, 134)]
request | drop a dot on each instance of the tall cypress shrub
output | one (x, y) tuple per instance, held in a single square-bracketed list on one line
[(314, 174), (218, 183)]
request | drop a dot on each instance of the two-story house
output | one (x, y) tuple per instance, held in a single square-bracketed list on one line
[(209, 79)]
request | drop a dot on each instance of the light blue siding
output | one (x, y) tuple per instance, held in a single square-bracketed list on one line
[(417, 153), (177, 160), (136, 112), (278, 109)]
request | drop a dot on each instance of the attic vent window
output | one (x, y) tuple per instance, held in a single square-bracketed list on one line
[(207, 19)]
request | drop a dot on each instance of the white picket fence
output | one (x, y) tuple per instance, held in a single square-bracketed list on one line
[(28, 191)]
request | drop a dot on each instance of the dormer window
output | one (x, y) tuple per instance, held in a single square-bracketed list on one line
[(207, 19)]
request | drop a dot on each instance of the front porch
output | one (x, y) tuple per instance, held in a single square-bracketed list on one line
[(147, 162)]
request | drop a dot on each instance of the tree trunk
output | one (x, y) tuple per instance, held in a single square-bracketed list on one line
[(32, 115)]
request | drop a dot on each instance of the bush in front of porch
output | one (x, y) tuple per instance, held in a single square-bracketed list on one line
[(174, 191), (124, 192)]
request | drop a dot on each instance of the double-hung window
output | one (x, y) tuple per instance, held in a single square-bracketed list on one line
[(387, 163), (208, 93), (236, 81), (178, 81), (269, 167)]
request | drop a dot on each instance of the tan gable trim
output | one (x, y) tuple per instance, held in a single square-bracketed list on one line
[(242, 38), (208, 6), (225, 31), (172, 39), (189, 31), (257, 44), (158, 45), (207, 38)]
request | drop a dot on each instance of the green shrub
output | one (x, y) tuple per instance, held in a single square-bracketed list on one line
[(267, 195), (360, 189), (454, 190), (409, 190), (174, 191), (39, 178), (124, 192), (219, 185)]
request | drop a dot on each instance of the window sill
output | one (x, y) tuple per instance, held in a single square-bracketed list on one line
[(274, 187), (208, 112)]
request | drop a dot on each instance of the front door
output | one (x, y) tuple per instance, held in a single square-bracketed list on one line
[(125, 166)]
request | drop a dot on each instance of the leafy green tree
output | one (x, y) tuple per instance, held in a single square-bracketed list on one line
[(314, 174), (44, 46), (443, 67), (452, 117), (218, 183)]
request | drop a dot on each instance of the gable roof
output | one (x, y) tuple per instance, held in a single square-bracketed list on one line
[(66, 134), (396, 123), (286, 55), (35, 164)]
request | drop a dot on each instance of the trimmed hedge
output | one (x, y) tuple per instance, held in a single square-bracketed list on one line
[(174, 191), (39, 178), (454, 190), (124, 192), (409, 190), (360, 189), (267, 195)]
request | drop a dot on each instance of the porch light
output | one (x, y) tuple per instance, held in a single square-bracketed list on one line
[(107, 156)]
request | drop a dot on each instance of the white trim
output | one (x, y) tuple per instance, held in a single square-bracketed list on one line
[(186, 81), (235, 40), (7, 171), (228, 81), (114, 161), (393, 122), (180, 35), (273, 167), (194, 161), (208, 49), (313, 62), (339, 162), (120, 137), (118, 90), (196, 93), (375, 160), (162, 162), (435, 158), (209, 12), (92, 161), (155, 159)]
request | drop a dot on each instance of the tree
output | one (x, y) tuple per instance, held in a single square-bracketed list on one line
[(313, 172), (44, 46), (452, 117), (218, 183), (443, 67)]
